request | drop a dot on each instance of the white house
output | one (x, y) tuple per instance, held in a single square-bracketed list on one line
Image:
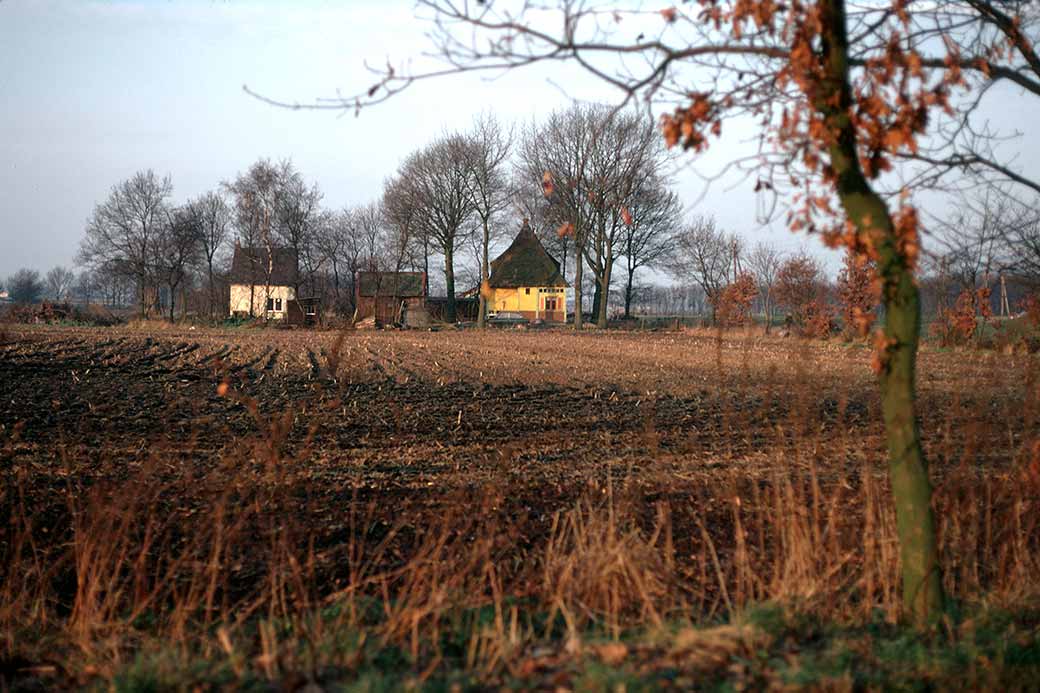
[(263, 282)]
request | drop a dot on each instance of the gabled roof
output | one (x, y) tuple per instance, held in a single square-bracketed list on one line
[(251, 266), (396, 284), (525, 263)]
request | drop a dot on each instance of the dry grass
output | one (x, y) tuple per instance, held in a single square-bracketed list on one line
[(473, 502)]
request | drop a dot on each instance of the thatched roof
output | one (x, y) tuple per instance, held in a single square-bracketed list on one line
[(525, 263), (395, 284), (251, 265)]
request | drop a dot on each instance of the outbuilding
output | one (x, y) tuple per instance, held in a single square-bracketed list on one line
[(390, 297)]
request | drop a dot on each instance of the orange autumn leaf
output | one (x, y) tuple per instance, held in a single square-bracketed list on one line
[(626, 216), (547, 184)]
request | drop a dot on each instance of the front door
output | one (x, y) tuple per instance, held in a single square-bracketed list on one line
[(550, 307)]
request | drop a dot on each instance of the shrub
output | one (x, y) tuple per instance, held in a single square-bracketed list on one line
[(799, 287), (1031, 308), (734, 302), (858, 294), (959, 324)]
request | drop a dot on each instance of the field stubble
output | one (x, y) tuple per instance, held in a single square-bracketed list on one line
[(194, 485)]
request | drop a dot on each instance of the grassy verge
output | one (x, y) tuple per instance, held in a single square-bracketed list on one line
[(765, 647)]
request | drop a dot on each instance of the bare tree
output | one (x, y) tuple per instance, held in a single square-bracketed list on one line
[(213, 217), (256, 205), (764, 261), (703, 254), (655, 218), (332, 242), (488, 187), (408, 243), (436, 181), (59, 282), (178, 249), (593, 164), (87, 286), (25, 286), (555, 157), (124, 229), (112, 282), (297, 220)]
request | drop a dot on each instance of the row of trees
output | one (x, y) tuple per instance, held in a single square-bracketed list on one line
[(27, 286), (591, 181)]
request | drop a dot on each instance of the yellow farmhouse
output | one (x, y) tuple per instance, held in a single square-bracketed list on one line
[(526, 281)]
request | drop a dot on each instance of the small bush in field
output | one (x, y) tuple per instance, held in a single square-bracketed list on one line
[(959, 324), (800, 288), (1031, 308), (734, 302), (858, 293), (817, 319)]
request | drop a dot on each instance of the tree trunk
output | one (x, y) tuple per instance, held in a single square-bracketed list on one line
[(911, 488), (628, 293), (597, 296), (577, 287), (484, 274), (604, 292), (426, 258), (768, 311), (449, 280)]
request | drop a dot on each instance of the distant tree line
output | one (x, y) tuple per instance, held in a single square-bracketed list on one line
[(592, 181)]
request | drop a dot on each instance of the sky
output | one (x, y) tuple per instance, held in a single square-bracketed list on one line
[(95, 90)]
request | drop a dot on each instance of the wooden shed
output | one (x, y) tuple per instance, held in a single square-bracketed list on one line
[(389, 297)]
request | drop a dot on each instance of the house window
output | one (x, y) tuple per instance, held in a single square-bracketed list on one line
[(274, 304), (527, 291), (550, 304)]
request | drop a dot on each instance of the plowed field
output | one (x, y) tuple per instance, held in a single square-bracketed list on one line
[(408, 409), (507, 426)]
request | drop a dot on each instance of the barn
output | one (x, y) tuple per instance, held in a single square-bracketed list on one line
[(390, 297), (526, 282)]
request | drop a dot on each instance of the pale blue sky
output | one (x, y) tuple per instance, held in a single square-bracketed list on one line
[(94, 90)]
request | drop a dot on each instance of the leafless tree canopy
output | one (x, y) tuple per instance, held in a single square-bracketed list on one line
[(60, 281), (596, 168), (125, 231), (656, 217), (764, 262), (704, 255), (488, 185), (435, 181), (213, 217)]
